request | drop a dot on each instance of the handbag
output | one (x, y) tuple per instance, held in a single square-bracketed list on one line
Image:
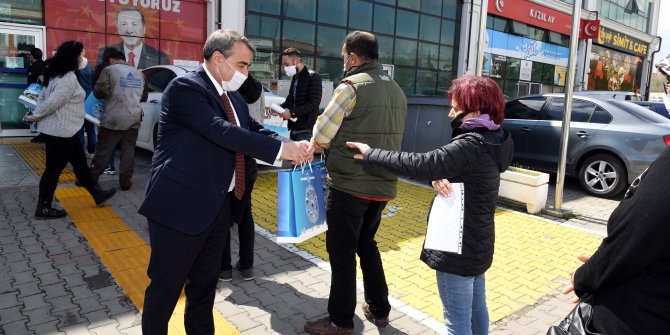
[(576, 322), (301, 207)]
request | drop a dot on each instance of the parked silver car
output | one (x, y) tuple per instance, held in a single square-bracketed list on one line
[(158, 77), (611, 141)]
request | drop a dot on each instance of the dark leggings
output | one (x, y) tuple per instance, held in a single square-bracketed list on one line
[(59, 152)]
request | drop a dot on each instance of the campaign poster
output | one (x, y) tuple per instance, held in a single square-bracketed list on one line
[(559, 75), (147, 32), (498, 65)]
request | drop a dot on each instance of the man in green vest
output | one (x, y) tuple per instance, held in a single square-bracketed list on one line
[(368, 107)]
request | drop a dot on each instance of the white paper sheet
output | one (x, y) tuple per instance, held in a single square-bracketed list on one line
[(445, 222)]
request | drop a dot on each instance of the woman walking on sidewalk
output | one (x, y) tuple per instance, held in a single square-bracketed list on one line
[(478, 152), (60, 114)]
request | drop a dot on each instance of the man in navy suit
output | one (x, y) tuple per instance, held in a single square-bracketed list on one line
[(204, 132)]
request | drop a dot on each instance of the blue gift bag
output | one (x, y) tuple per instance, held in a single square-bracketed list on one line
[(94, 108), (301, 208)]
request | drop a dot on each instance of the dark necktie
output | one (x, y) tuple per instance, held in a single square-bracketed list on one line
[(239, 158)]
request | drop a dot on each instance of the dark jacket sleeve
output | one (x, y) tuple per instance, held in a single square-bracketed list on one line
[(452, 160), (145, 90), (639, 237), (251, 90), (314, 97)]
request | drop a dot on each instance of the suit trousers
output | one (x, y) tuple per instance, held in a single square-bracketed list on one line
[(107, 141), (245, 223), (178, 259), (352, 225)]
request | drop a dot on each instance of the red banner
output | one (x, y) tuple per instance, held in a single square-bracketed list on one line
[(589, 29), (533, 14)]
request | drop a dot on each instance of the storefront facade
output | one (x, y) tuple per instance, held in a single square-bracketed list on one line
[(159, 32), (527, 47), (616, 62)]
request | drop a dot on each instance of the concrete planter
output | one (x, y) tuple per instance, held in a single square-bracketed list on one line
[(529, 187)]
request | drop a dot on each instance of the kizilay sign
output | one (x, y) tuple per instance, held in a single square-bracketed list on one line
[(622, 42), (165, 5)]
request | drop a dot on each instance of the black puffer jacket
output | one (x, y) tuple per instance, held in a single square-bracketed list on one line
[(304, 101), (475, 158)]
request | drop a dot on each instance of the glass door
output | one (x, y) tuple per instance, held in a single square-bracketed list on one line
[(16, 41)]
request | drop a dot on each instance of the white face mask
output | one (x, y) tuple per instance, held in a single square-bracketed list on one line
[(290, 70), (84, 62), (234, 83)]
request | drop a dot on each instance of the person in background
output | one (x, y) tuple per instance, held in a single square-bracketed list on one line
[(478, 152), (60, 113), (252, 92), (110, 169), (34, 73), (122, 87), (626, 279), (85, 77), (301, 106), (366, 106)]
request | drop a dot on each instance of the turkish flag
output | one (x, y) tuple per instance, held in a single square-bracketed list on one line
[(589, 29)]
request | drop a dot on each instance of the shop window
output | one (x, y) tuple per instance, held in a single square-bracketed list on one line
[(329, 69), (384, 19), (407, 24), (511, 90), (428, 55), (333, 12), (513, 68), (519, 28), (555, 38), (525, 109), (425, 82), (447, 61), (548, 71), (500, 24), (536, 72), (449, 35), (298, 35), (409, 4), (385, 49), (263, 26), (431, 6), (388, 2), (443, 82), (264, 6), (489, 22), (300, 9), (405, 52), (405, 78), (360, 15), (430, 28), (451, 9), (25, 12), (325, 45)]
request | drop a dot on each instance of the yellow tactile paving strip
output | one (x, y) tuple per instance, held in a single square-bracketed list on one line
[(121, 250), (532, 257), (34, 156)]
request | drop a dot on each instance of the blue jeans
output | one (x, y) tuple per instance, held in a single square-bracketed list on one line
[(463, 303)]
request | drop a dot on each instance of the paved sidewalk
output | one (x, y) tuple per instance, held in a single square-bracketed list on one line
[(55, 283)]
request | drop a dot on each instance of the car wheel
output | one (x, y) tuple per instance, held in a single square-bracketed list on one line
[(603, 175)]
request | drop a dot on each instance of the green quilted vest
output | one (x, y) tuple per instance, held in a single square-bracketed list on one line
[(378, 119)]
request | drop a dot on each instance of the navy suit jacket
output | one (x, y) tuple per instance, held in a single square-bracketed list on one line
[(194, 160)]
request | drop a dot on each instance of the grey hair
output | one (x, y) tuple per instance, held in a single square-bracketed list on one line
[(222, 40)]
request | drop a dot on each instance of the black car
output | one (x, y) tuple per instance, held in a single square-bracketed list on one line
[(657, 107)]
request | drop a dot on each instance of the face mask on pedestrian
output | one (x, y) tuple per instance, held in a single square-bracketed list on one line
[(234, 83), (83, 63), (290, 70)]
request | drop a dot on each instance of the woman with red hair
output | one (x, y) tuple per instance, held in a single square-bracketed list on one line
[(478, 152)]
